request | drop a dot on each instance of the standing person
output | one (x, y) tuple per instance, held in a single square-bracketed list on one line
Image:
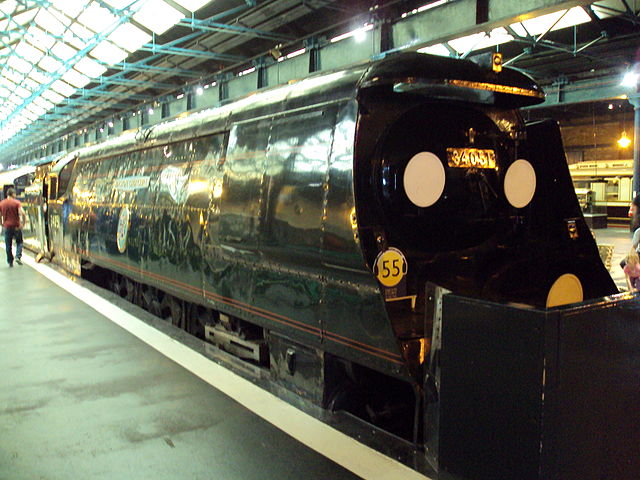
[(13, 219)]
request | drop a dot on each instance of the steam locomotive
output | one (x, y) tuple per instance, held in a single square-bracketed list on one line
[(305, 228)]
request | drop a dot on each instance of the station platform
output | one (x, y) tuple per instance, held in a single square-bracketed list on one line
[(93, 387), (91, 390)]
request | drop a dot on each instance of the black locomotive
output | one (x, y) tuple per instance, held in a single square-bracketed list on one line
[(303, 227)]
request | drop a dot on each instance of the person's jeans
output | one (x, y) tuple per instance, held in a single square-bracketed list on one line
[(9, 234)]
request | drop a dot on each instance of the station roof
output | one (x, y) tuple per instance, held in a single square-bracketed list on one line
[(68, 63)]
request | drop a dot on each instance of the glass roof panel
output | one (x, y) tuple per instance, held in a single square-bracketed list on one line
[(157, 16), (10, 74), (129, 37), (52, 96), (22, 92), (41, 102), (192, 5), (108, 53), (70, 7), (97, 18), (438, 49), (28, 52), (76, 78), (45, 20), (63, 88), (49, 64), (8, 6), (38, 38), (19, 64), (120, 4), (90, 67), (4, 92), (39, 77), (63, 51)]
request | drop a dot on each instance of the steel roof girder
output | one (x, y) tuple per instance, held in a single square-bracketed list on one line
[(168, 50), (455, 19), (212, 26)]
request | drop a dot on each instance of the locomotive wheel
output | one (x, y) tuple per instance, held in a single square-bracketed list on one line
[(349, 397), (149, 300), (172, 310), (115, 284), (130, 290), (197, 317)]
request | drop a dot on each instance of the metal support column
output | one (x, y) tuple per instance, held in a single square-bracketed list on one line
[(261, 65), (313, 46)]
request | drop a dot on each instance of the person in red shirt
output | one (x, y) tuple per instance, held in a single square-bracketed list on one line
[(13, 219)]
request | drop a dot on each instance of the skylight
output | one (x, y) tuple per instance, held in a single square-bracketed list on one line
[(53, 48)]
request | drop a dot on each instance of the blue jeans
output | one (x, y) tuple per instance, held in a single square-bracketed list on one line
[(9, 234)]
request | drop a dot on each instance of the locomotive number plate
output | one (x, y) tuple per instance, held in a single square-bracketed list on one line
[(471, 158)]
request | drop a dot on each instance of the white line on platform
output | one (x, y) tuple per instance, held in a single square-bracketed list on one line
[(342, 449)]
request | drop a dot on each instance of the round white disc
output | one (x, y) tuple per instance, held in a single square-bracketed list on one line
[(424, 179), (520, 183)]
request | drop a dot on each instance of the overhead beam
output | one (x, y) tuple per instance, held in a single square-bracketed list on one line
[(212, 26), (568, 92), (456, 19)]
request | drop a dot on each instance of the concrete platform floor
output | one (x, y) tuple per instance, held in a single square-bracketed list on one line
[(81, 398)]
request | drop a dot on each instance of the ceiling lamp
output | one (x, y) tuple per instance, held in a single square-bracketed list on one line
[(624, 141)]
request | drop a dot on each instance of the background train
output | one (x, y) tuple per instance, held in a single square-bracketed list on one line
[(605, 187), (303, 228)]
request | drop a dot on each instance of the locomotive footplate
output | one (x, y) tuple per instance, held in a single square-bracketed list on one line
[(535, 394)]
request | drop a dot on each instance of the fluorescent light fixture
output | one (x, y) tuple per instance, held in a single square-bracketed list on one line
[(630, 79), (62, 51), (76, 78), (247, 71), (129, 37), (108, 53), (192, 5), (295, 53), (90, 68), (49, 64), (438, 49), (97, 18), (63, 88), (157, 16), (199, 91), (424, 7), (357, 32)]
